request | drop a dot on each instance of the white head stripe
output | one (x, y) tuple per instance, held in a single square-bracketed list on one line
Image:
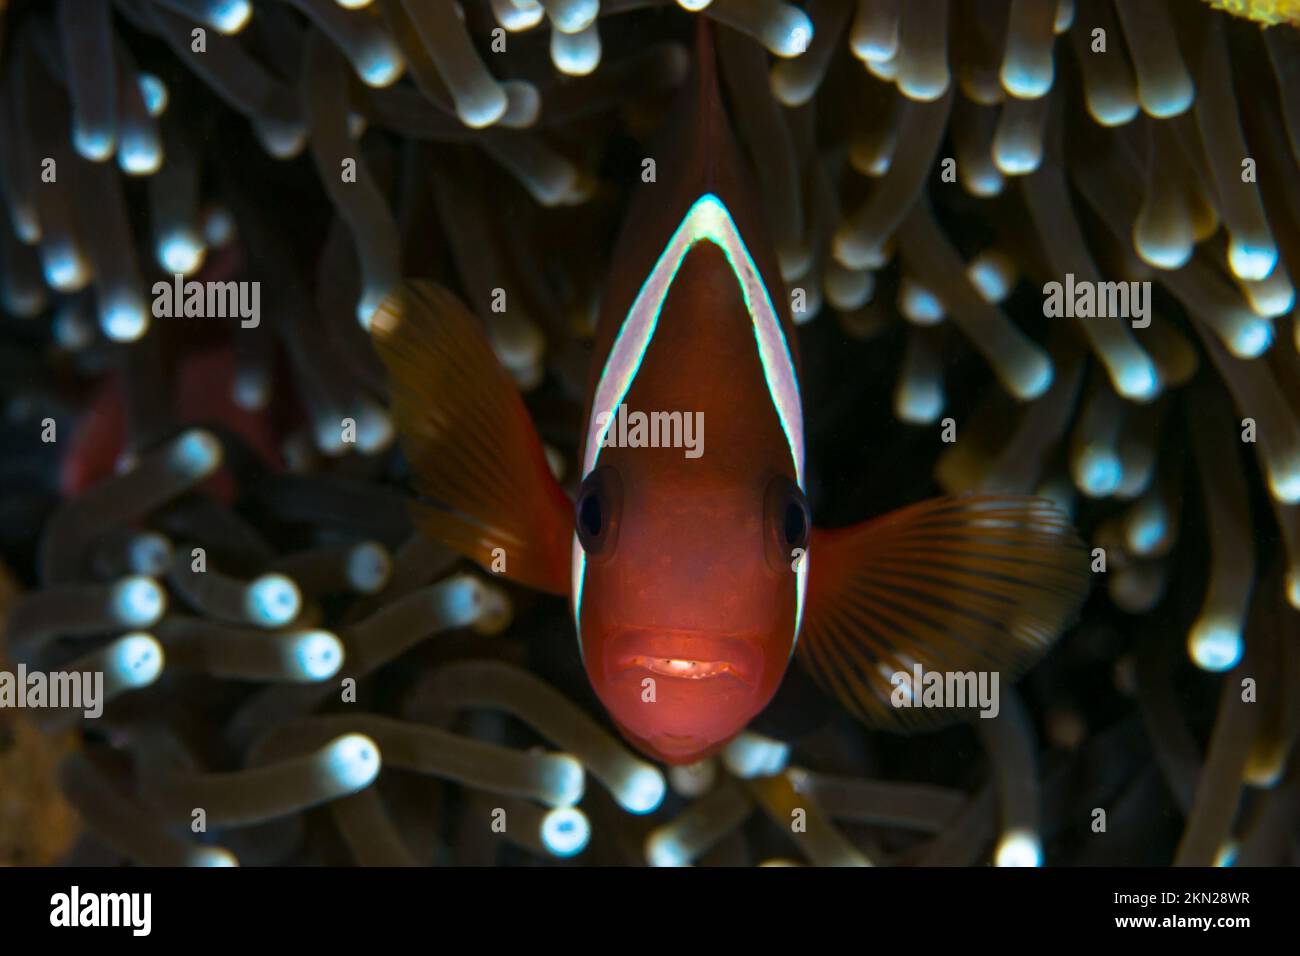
[(707, 220)]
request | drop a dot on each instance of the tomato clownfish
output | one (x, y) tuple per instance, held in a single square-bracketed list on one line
[(694, 579)]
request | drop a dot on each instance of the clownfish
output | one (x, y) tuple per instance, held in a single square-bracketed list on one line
[(695, 575)]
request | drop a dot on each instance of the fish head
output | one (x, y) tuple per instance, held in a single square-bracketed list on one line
[(691, 529), (690, 601)]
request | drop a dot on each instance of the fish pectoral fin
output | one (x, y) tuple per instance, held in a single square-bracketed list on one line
[(967, 583), (472, 446)]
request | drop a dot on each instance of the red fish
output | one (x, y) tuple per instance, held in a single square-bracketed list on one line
[(693, 570), (201, 393)]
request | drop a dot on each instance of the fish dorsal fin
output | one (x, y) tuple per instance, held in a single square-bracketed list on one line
[(960, 584), (470, 441), (702, 190)]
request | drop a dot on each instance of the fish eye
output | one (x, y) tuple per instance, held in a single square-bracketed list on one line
[(796, 524), (600, 501), (589, 514), (787, 520)]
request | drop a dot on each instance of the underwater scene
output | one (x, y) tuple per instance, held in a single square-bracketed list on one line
[(618, 433)]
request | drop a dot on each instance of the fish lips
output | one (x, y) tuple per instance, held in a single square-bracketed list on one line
[(706, 686), (692, 659)]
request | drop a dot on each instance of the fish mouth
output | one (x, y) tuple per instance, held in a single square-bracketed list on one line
[(695, 657), (687, 670)]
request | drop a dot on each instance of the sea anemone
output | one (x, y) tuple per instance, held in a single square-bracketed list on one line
[(211, 511)]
